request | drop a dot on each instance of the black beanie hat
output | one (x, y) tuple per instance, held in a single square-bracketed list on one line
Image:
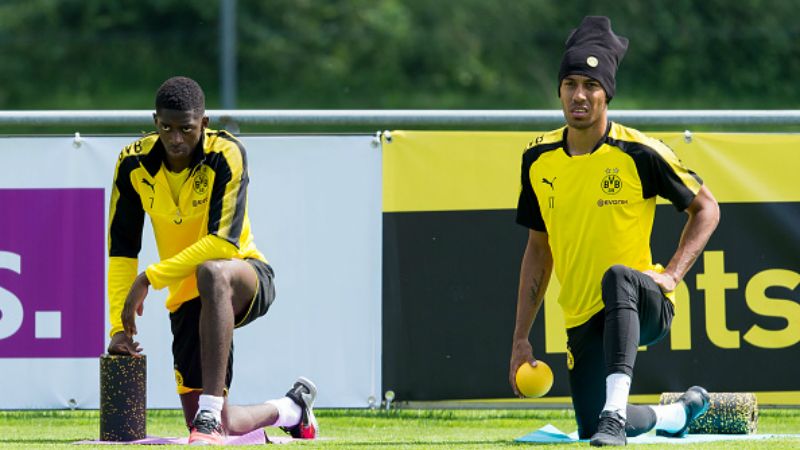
[(593, 50)]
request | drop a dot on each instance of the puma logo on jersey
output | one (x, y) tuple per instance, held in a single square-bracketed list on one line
[(152, 186), (549, 183)]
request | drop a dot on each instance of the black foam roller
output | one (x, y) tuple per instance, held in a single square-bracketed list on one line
[(123, 398), (729, 413)]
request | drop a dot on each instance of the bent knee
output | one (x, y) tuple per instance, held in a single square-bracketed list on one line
[(616, 282), (211, 274), (617, 273)]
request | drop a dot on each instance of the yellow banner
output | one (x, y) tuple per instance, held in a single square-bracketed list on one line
[(454, 171), (451, 245)]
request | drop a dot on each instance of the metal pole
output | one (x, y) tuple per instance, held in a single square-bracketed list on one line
[(406, 119), (227, 53)]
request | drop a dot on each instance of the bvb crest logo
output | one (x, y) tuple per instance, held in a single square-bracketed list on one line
[(200, 183), (611, 183)]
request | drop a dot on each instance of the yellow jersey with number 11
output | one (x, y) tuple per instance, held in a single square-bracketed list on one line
[(598, 208)]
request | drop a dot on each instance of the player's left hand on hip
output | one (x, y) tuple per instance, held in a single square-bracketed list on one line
[(666, 282)]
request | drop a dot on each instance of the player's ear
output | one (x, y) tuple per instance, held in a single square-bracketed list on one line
[(204, 122), (155, 119)]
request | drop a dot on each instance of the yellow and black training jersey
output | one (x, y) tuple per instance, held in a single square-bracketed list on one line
[(208, 221), (598, 209)]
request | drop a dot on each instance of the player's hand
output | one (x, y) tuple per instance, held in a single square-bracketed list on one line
[(521, 353), (134, 302), (121, 344), (666, 282)]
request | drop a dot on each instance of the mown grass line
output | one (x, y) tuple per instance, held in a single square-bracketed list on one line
[(368, 429)]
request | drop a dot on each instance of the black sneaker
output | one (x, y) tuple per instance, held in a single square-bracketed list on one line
[(696, 402), (610, 430), (303, 393), (206, 430)]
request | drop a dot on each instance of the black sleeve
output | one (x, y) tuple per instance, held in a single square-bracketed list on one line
[(528, 212), (127, 215), (663, 174), (671, 179), (672, 187), (229, 192)]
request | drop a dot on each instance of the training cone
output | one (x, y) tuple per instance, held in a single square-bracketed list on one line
[(536, 381)]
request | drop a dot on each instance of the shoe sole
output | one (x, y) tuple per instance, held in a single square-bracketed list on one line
[(312, 395), (601, 442), (312, 390)]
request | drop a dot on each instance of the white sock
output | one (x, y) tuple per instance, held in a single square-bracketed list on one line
[(618, 386), (211, 403), (670, 417), (289, 412)]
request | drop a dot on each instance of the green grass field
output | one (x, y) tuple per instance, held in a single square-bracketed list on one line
[(365, 429)]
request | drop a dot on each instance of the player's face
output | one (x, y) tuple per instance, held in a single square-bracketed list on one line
[(180, 131), (583, 101)]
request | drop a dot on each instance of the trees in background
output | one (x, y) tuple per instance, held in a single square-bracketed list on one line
[(96, 54)]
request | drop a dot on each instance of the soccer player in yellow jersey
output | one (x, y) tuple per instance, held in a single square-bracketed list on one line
[(588, 198), (192, 183)]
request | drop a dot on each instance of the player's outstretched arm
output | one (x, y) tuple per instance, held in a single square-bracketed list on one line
[(537, 264)]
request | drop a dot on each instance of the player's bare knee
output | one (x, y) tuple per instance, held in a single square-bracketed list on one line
[(211, 277)]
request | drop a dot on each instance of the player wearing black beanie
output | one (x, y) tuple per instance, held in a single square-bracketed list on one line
[(588, 198)]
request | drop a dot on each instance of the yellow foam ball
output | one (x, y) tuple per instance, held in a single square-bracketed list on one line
[(534, 381)]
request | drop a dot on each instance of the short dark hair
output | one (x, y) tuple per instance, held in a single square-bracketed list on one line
[(180, 94)]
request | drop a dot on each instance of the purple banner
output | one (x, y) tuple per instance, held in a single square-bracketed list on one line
[(51, 273)]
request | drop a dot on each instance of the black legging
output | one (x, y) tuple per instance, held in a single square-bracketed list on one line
[(636, 313)]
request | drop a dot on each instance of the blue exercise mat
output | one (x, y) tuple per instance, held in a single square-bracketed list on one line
[(549, 434)]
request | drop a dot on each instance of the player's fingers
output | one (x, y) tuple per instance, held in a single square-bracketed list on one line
[(115, 350), (512, 381), (516, 389), (512, 376), (132, 347), (119, 349), (657, 278)]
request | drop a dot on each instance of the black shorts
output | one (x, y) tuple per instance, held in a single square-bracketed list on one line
[(185, 324)]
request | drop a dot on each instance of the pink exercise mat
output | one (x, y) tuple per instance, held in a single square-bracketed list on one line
[(255, 437)]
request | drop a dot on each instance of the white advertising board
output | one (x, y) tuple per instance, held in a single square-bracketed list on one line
[(315, 208)]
